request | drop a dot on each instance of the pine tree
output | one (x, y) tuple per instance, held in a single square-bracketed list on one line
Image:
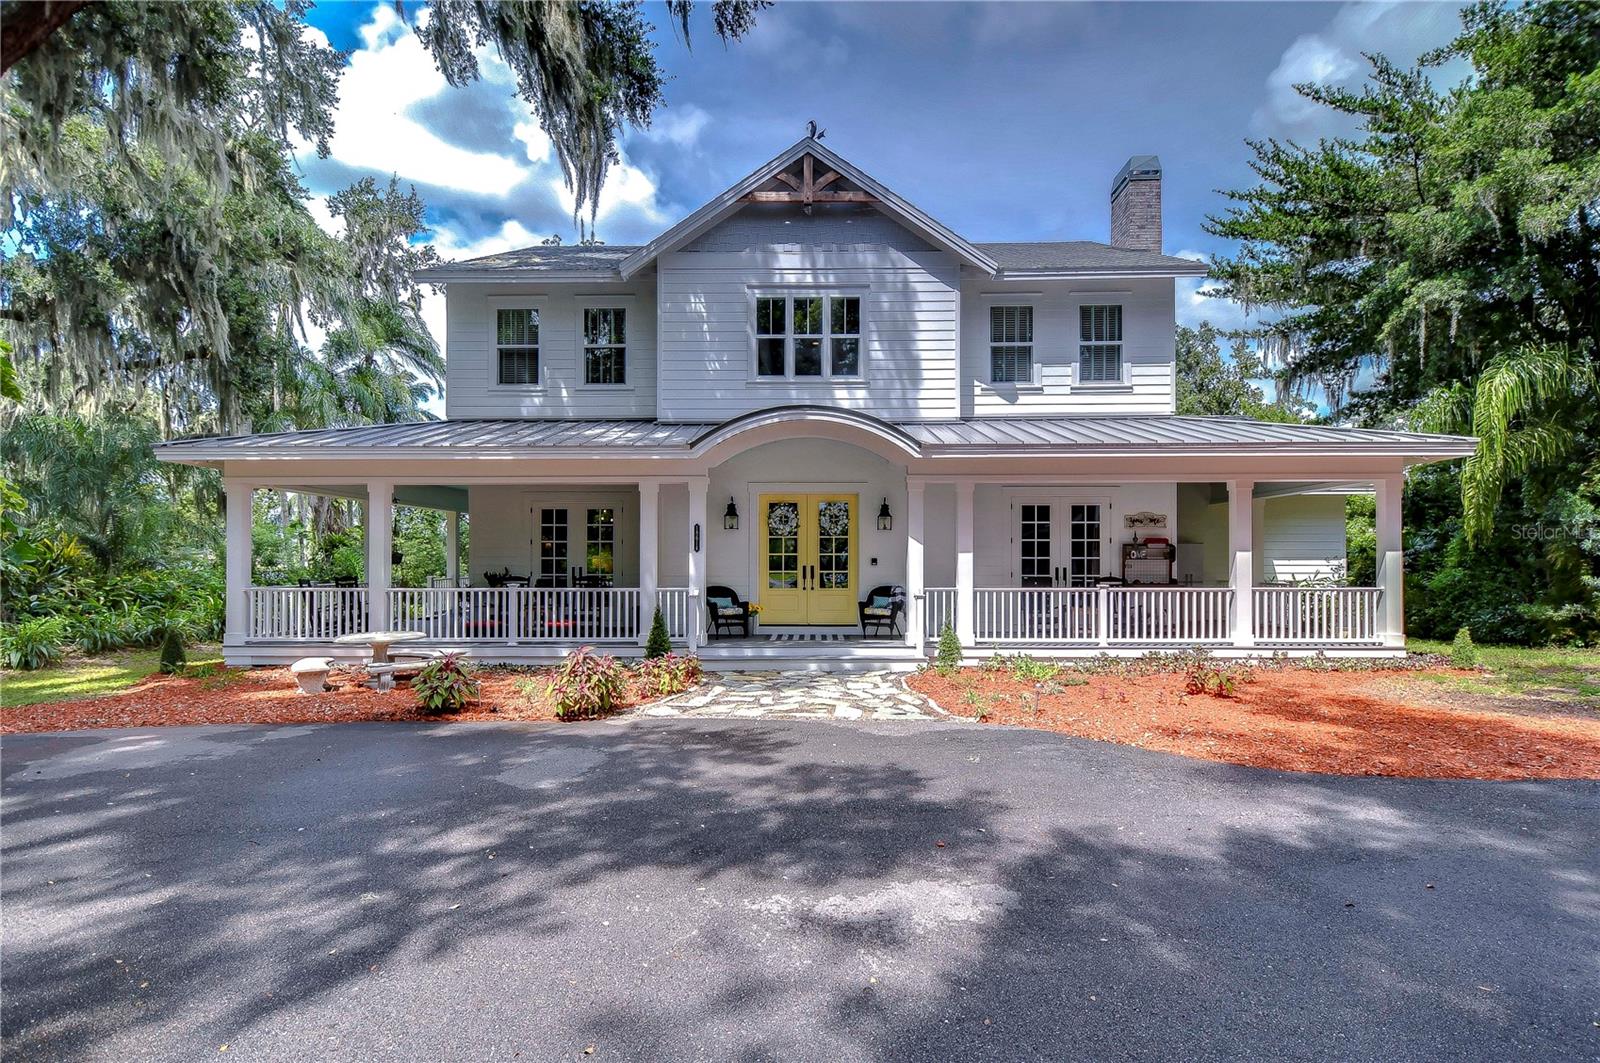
[(948, 658), (658, 644)]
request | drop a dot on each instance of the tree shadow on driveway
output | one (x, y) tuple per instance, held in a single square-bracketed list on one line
[(732, 890)]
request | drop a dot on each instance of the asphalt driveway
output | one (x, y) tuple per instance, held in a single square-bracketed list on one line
[(689, 889)]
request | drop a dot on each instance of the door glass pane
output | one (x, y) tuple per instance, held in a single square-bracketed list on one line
[(553, 547), (600, 539), (783, 545), (1034, 545), (1085, 532), (833, 545)]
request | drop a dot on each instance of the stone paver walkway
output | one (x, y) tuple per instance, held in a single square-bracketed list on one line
[(800, 695)]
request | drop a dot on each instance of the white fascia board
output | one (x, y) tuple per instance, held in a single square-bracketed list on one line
[(731, 199), (515, 276), (1154, 273)]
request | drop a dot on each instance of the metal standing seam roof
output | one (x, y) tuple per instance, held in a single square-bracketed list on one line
[(1150, 432)]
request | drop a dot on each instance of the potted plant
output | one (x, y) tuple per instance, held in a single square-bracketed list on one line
[(755, 617)]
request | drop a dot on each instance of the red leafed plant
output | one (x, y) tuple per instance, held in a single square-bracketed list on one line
[(587, 684), (444, 684), (669, 674)]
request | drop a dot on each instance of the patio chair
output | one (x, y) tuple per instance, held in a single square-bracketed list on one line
[(726, 610), (883, 608)]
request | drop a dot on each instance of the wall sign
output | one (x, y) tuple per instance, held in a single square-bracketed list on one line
[(1145, 519)]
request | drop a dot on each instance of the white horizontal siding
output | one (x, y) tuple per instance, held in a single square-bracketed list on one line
[(910, 322), (1303, 537), (1148, 347), (472, 388)]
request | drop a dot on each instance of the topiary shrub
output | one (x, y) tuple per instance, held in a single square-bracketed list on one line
[(1463, 654), (948, 659), (587, 684), (658, 644), (445, 684), (173, 660), (663, 677)]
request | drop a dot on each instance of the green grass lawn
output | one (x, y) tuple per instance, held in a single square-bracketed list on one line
[(84, 677), (1561, 675)]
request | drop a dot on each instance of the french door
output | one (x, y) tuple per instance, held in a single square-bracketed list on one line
[(574, 545), (1060, 542), (808, 558)]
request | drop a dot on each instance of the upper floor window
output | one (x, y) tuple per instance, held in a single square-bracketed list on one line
[(605, 345), (517, 345), (1100, 344), (808, 337), (1010, 344)]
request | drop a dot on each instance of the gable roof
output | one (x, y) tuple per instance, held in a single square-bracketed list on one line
[(545, 259), (897, 207)]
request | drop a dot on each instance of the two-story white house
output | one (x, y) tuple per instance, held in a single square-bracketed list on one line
[(811, 396)]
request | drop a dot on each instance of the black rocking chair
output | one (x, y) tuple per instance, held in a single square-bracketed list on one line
[(883, 608), (726, 617)]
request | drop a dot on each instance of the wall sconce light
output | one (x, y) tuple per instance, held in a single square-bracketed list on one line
[(730, 516), (697, 538), (885, 519)]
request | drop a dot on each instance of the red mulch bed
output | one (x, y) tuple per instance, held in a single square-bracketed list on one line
[(269, 695), (1343, 723)]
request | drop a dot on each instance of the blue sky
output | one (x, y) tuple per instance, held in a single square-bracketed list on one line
[(1006, 121)]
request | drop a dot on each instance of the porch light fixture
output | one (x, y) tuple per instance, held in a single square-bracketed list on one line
[(730, 516), (885, 519)]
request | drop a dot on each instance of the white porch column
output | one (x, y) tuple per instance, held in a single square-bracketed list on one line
[(649, 552), (1391, 561), (1241, 559), (452, 548), (238, 497), (915, 581), (699, 539), (380, 544), (965, 599)]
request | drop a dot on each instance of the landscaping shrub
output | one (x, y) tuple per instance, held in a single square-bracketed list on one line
[(671, 674), (948, 659), (1206, 675), (658, 644), (33, 642), (587, 684), (1463, 654), (445, 684), (1030, 669), (172, 656)]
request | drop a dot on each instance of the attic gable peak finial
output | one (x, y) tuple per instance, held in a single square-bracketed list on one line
[(812, 132)]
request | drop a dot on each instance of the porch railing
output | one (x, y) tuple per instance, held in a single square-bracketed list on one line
[(304, 613), (1313, 615), (674, 605), (1108, 616), (938, 609), (518, 614)]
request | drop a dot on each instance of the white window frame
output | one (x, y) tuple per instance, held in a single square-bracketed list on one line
[(630, 331), (539, 306), (1003, 303), (827, 293), (1121, 382)]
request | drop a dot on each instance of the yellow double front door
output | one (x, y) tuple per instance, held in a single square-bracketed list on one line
[(808, 559)]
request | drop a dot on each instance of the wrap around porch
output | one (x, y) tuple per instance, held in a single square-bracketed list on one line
[(665, 528)]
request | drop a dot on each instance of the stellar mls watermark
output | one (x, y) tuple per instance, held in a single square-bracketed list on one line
[(1538, 532)]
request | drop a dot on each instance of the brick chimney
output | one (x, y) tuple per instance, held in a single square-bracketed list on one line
[(1136, 205)]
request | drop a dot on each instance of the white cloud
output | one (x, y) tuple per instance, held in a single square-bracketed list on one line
[(1333, 55), (373, 131), (681, 126)]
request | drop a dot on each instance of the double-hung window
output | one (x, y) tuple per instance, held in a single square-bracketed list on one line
[(1100, 344), (1011, 344), (808, 337), (605, 345), (517, 345)]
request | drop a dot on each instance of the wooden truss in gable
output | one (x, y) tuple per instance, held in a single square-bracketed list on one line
[(807, 186)]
